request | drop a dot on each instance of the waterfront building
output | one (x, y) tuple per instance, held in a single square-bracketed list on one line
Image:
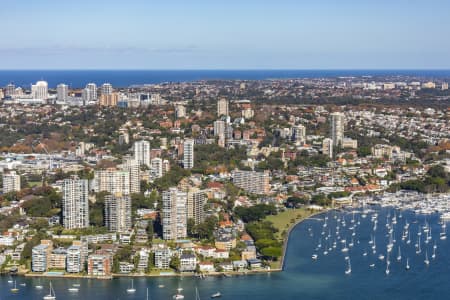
[(162, 258), (188, 262), (188, 154), (40, 90), (196, 200), (337, 128), (74, 259), (251, 181), (75, 203), (222, 107), (99, 265), (62, 92), (40, 256), (11, 182), (57, 259), (174, 214), (142, 152), (118, 212)]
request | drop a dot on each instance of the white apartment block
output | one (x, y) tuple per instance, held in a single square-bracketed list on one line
[(11, 182), (337, 128), (75, 203), (188, 154), (195, 205), (142, 152), (252, 182), (74, 259), (174, 214), (118, 213), (222, 107), (112, 181)]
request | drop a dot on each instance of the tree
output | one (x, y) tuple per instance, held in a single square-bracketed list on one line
[(272, 252), (175, 262)]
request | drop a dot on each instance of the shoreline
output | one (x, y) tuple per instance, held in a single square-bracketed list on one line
[(279, 268), (288, 233), (114, 276)]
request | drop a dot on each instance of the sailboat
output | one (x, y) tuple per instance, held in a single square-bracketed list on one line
[(434, 253), (14, 289), (427, 261), (399, 256), (216, 295), (345, 249), (349, 268), (387, 267), (407, 264), (39, 286), (131, 290), (51, 295), (178, 295), (418, 251)]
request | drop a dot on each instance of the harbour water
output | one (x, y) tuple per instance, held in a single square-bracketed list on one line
[(304, 277), (125, 78)]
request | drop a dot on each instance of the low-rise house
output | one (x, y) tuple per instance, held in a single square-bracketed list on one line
[(125, 267), (254, 263), (206, 266), (226, 266), (221, 254), (239, 265)]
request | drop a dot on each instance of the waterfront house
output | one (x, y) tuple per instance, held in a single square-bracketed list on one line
[(125, 267), (239, 265), (188, 262), (226, 266), (254, 263), (206, 266)]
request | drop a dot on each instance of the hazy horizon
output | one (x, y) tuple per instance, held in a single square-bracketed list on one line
[(200, 35)]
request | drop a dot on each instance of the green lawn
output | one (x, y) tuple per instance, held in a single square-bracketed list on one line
[(287, 218), (35, 183)]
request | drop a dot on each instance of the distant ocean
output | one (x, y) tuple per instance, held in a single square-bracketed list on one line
[(126, 78)]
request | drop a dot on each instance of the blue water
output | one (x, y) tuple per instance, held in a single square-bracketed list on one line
[(125, 78), (302, 278)]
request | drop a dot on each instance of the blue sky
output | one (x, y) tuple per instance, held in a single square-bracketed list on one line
[(225, 34)]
